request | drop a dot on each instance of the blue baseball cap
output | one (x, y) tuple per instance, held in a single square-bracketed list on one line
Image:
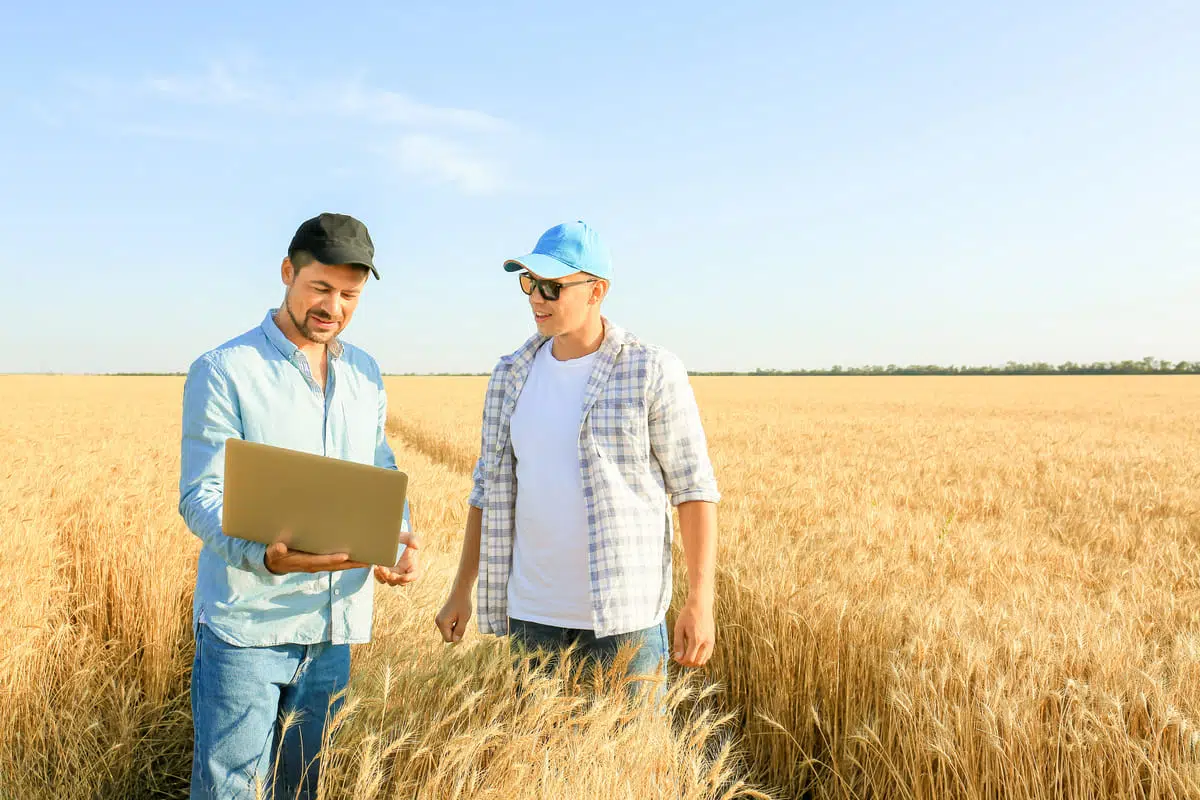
[(564, 250)]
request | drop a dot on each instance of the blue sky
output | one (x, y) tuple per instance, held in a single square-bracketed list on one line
[(781, 184)]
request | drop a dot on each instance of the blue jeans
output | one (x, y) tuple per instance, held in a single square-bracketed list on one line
[(542, 643), (239, 697)]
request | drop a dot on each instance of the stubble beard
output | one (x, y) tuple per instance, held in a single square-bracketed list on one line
[(318, 337)]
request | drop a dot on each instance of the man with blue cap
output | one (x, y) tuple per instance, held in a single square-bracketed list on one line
[(589, 437)]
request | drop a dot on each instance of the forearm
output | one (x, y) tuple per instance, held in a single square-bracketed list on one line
[(468, 563), (698, 529), (201, 513), (211, 416)]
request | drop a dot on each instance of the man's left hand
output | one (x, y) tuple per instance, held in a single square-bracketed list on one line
[(407, 569), (695, 634)]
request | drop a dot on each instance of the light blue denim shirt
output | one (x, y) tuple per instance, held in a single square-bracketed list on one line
[(259, 387)]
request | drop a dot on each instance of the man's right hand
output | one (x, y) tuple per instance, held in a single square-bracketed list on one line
[(281, 560), (452, 619)]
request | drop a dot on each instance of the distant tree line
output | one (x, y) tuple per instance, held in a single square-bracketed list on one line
[(1147, 366)]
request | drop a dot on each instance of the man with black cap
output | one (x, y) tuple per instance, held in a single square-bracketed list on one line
[(273, 626)]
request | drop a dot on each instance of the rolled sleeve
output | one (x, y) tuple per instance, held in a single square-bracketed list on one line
[(677, 439), (211, 416), (476, 497), (477, 474)]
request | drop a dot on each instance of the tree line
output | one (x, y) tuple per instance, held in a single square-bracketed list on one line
[(1147, 366)]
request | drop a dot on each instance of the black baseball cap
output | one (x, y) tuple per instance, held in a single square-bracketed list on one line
[(335, 239)]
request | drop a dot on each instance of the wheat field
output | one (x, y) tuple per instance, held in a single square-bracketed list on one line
[(928, 588)]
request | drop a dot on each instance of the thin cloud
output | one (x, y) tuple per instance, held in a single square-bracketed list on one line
[(443, 161), (442, 145), (221, 84), (385, 106), (237, 84)]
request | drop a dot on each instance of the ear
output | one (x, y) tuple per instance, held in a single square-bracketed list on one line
[(287, 272), (599, 292)]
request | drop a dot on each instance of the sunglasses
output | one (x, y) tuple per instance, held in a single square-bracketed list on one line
[(550, 289)]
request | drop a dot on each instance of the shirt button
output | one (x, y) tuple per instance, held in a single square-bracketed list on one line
[(337, 591)]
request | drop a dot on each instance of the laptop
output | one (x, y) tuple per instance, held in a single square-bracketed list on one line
[(327, 504)]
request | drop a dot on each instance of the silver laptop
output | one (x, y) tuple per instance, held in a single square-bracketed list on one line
[(326, 504)]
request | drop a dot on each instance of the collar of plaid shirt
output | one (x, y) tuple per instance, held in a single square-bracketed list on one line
[(522, 361)]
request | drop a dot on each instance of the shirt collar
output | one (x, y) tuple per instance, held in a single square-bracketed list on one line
[(285, 345), (614, 338)]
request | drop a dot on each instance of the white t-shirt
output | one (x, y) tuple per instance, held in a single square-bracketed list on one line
[(550, 581)]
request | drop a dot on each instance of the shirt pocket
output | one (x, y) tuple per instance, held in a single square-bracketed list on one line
[(621, 428)]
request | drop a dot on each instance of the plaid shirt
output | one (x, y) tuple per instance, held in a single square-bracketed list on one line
[(641, 450)]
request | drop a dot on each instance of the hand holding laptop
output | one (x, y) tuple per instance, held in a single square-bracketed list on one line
[(281, 560)]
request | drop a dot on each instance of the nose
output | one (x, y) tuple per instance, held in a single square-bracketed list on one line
[(331, 304)]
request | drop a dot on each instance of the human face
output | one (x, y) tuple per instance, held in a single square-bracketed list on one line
[(321, 298), (578, 298)]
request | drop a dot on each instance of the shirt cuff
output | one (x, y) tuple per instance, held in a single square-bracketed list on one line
[(476, 498), (256, 553), (696, 495)]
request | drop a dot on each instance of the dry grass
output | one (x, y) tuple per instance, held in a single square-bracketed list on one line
[(97, 643), (929, 588), (950, 588)]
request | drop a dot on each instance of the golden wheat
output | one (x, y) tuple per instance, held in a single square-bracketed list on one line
[(929, 588), (944, 588), (95, 620)]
